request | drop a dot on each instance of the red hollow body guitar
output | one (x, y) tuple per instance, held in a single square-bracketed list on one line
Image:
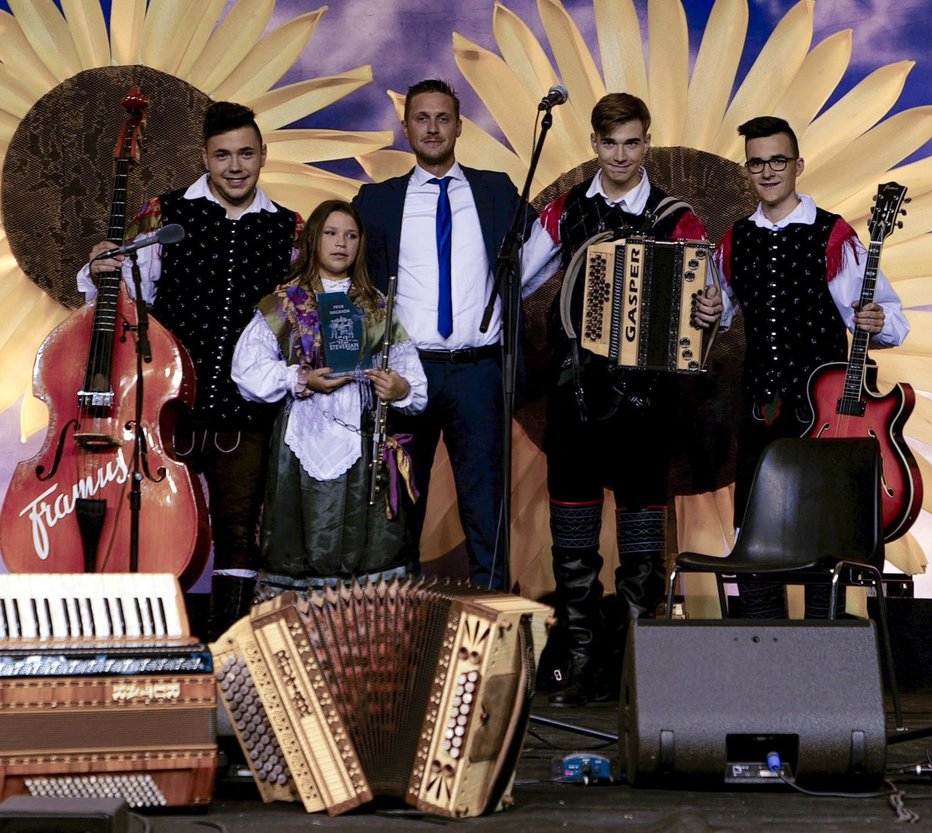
[(70, 508), (846, 402)]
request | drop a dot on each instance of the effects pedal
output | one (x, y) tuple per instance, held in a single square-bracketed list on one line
[(583, 768)]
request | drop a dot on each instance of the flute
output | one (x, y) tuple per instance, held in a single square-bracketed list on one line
[(381, 408)]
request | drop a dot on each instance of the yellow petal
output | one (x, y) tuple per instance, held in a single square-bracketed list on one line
[(920, 331), (321, 145), (89, 32), (527, 60), (915, 177), (237, 34), (200, 34), (8, 125), (15, 51), (925, 470), (522, 51), (919, 424), (301, 191), (715, 71), (15, 97), (127, 21), (910, 260), (480, 150), (815, 82), (773, 71), (902, 366), (852, 115), (47, 32), (18, 354), (270, 59), (574, 62), (914, 292), (868, 158), (385, 164), (906, 555), (33, 416), (668, 78), (513, 109), (285, 105), (169, 27), (620, 47)]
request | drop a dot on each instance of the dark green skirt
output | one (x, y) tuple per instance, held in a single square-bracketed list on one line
[(315, 528)]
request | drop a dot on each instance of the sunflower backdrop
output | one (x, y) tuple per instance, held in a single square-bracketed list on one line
[(64, 66)]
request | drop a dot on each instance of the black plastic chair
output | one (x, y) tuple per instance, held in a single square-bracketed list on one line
[(813, 516)]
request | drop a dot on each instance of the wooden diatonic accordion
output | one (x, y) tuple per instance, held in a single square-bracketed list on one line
[(103, 692), (637, 301), (409, 690)]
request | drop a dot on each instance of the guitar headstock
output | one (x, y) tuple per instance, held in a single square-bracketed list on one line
[(129, 145), (887, 206)]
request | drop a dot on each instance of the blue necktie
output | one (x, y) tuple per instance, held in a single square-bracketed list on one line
[(444, 250)]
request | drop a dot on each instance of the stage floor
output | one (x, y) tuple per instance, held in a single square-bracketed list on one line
[(541, 805)]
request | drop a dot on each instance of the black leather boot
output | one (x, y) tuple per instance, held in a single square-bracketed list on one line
[(576, 568), (230, 600), (639, 578)]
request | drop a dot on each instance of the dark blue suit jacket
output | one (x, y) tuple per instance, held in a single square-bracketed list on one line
[(382, 205)]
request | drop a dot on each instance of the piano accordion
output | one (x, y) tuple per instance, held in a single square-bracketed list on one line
[(103, 692), (637, 301), (410, 691)]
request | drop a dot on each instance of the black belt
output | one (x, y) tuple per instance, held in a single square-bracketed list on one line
[(468, 355)]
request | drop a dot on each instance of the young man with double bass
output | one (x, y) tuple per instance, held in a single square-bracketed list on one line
[(237, 247)]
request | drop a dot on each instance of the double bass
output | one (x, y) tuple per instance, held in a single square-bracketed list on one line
[(106, 493), (846, 402)]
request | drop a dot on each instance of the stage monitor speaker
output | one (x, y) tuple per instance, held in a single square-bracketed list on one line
[(704, 704), (34, 814)]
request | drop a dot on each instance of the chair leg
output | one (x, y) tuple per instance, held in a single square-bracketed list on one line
[(722, 598), (671, 590), (887, 649)]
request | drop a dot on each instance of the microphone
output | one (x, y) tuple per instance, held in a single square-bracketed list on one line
[(171, 233), (556, 95)]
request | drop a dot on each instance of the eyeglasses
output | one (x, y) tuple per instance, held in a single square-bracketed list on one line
[(777, 163)]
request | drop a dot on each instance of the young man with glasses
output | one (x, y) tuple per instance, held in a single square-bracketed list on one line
[(796, 272)]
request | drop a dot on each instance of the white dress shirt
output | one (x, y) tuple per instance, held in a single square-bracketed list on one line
[(845, 287), (150, 257)]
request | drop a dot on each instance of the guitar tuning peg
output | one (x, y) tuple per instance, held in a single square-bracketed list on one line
[(899, 224), (907, 199)]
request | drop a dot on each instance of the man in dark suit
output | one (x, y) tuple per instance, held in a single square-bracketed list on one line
[(408, 222)]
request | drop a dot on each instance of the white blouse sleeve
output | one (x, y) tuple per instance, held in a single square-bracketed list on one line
[(404, 360), (259, 371)]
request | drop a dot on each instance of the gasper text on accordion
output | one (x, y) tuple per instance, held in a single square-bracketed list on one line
[(637, 302)]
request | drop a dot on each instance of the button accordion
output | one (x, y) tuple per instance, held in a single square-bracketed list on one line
[(409, 690), (103, 693), (637, 301)]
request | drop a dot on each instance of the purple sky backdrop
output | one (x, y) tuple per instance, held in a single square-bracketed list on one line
[(406, 40)]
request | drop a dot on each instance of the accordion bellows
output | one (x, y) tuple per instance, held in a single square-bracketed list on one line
[(411, 690)]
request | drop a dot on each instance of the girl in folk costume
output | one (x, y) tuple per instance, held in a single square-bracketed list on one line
[(318, 526)]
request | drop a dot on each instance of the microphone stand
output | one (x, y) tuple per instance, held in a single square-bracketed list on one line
[(507, 274), (140, 467)]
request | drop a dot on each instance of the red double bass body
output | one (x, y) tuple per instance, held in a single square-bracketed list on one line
[(70, 508)]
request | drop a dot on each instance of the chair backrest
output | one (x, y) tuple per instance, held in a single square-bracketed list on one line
[(813, 500)]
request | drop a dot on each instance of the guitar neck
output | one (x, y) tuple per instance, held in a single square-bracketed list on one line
[(860, 341)]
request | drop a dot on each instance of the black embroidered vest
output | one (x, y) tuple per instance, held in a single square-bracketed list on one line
[(583, 217), (210, 284), (791, 323)]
